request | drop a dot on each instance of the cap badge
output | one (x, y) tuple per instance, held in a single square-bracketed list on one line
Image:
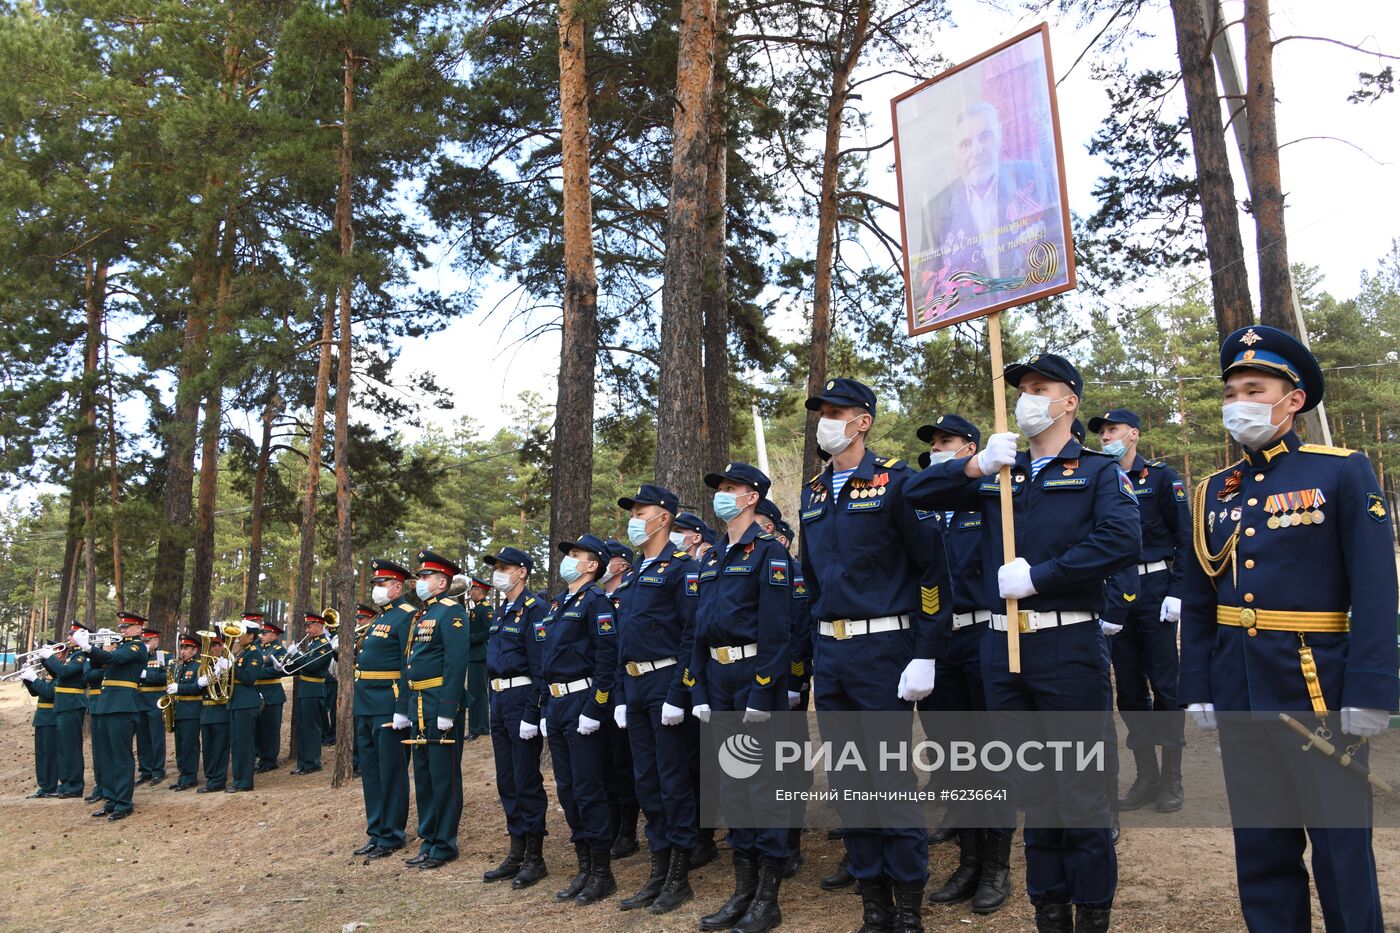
[(831, 385), (1250, 338), (729, 467), (1249, 354)]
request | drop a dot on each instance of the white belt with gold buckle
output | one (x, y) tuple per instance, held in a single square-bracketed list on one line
[(728, 654), (1153, 567), (964, 619), (1033, 621), (638, 668), (573, 686), (841, 629), (505, 683)]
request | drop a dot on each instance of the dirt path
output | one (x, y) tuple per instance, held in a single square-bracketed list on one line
[(279, 859)]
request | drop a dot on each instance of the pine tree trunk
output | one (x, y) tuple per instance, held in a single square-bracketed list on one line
[(571, 473), (714, 298), (118, 580), (306, 559), (1219, 211), (846, 61), (85, 468), (271, 412), (680, 395), (1270, 231)]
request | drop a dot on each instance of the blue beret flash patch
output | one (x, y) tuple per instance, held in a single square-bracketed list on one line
[(1126, 485), (778, 572)]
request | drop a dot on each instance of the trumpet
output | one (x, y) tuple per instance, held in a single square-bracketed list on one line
[(19, 671), (55, 646)]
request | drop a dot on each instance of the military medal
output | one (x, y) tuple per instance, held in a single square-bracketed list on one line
[(1210, 520), (1235, 514)]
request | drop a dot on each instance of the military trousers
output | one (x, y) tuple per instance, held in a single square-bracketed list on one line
[(243, 736), (665, 760), (119, 730), (728, 686), (384, 779), (270, 734), (1145, 655), (518, 779), (187, 751), (70, 751), (97, 733), (580, 770), (309, 714), (437, 787), (46, 758), (214, 745)]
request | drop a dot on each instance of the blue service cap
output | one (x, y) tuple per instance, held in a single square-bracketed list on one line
[(769, 509), (512, 557), (652, 494), (1076, 429), (950, 424), (689, 521), (1115, 416), (586, 542), (1277, 353), (1049, 365), (737, 472), (847, 393), (786, 531), (617, 549)]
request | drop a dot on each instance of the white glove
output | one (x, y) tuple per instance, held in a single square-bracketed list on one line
[(29, 675), (1364, 722), (143, 676), (1171, 609), (335, 642), (45, 653), (82, 639), (1014, 580), (701, 712), (999, 452), (172, 689), (587, 725), (203, 681), (620, 716), (794, 699), (917, 680), (293, 649), (400, 721), (445, 724), (671, 715), (528, 732), (1109, 628), (756, 715), (1203, 715), (544, 728), (222, 664), (280, 664)]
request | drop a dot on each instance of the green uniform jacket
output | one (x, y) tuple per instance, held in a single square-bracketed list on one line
[(188, 692), (68, 674), (274, 693), (122, 667), (384, 651), (437, 662), (313, 666), (153, 686), (42, 689), (480, 633), (247, 671)]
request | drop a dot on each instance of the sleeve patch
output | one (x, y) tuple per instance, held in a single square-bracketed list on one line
[(1126, 485), (798, 668), (929, 600), (761, 680), (799, 587), (778, 572), (540, 631), (1375, 507), (1179, 490), (686, 679), (692, 583), (924, 515), (600, 697), (606, 626)]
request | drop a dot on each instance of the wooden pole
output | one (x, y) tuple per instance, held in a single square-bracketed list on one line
[(1008, 520)]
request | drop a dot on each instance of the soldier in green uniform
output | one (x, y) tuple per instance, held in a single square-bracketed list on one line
[(479, 705), (150, 723), (67, 665), (274, 695), (97, 723), (381, 712), (214, 722), (184, 691), (248, 668), (45, 732), (120, 704), (437, 672), (310, 693)]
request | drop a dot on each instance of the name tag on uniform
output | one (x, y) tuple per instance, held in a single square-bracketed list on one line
[(864, 505), (1073, 482), (739, 568), (1143, 490), (651, 579), (574, 614), (511, 629), (813, 514), (708, 574), (967, 523)]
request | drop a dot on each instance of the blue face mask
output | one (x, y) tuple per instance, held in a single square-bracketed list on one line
[(422, 589), (568, 569), (637, 531), (1115, 449), (726, 506)]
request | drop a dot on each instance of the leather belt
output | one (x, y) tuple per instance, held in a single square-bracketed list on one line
[(505, 683), (43, 706), (728, 654), (267, 682), (841, 629), (638, 668), (1276, 620), (78, 690), (121, 683), (573, 686), (377, 675), (1153, 567), (306, 678), (152, 689), (193, 696), (428, 684), (964, 619), (1029, 620)]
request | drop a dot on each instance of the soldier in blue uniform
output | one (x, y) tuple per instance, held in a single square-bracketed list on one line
[(309, 667), (215, 723), (150, 724), (437, 677), (274, 694), (1076, 526), (579, 640), (381, 712), (45, 732), (249, 667), (656, 606), (740, 662), (621, 787), (514, 663), (878, 584), (184, 691), (120, 703), (67, 666), (1290, 607), (1145, 652), (479, 706)]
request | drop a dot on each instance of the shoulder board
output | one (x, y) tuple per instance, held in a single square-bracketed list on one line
[(407, 607), (890, 462), (1324, 449), (816, 477), (1159, 464), (448, 601), (1226, 470), (1096, 453), (681, 555), (529, 600), (598, 588), (766, 536)]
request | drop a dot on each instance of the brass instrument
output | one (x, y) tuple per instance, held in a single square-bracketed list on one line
[(27, 666), (300, 658), (166, 703), (220, 683)]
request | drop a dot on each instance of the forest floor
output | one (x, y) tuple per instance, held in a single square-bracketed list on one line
[(278, 858)]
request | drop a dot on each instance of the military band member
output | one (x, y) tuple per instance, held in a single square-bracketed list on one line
[(97, 723), (66, 665), (274, 693), (249, 667), (45, 721), (479, 706), (365, 615), (622, 789), (310, 668), (437, 676), (215, 721), (150, 724), (514, 662), (1289, 607), (184, 691), (120, 705), (381, 712)]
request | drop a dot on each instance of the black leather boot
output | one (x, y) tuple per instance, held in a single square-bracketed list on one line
[(676, 890), (995, 885), (1144, 789), (942, 832), (877, 906), (585, 863), (840, 878), (909, 905), (625, 842), (1170, 796), (532, 867), (705, 849), (1091, 919), (962, 883), (660, 861), (763, 913), (793, 863), (1054, 918), (601, 882), (511, 864), (745, 884)]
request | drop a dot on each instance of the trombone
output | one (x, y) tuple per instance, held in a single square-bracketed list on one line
[(299, 651)]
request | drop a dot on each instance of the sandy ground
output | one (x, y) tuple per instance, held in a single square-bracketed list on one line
[(279, 859)]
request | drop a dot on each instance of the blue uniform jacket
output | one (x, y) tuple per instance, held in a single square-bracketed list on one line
[(1165, 516), (962, 534), (121, 669), (657, 607), (868, 553), (1076, 524), (1343, 563), (384, 650), (578, 637), (512, 651), (747, 601), (800, 640)]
